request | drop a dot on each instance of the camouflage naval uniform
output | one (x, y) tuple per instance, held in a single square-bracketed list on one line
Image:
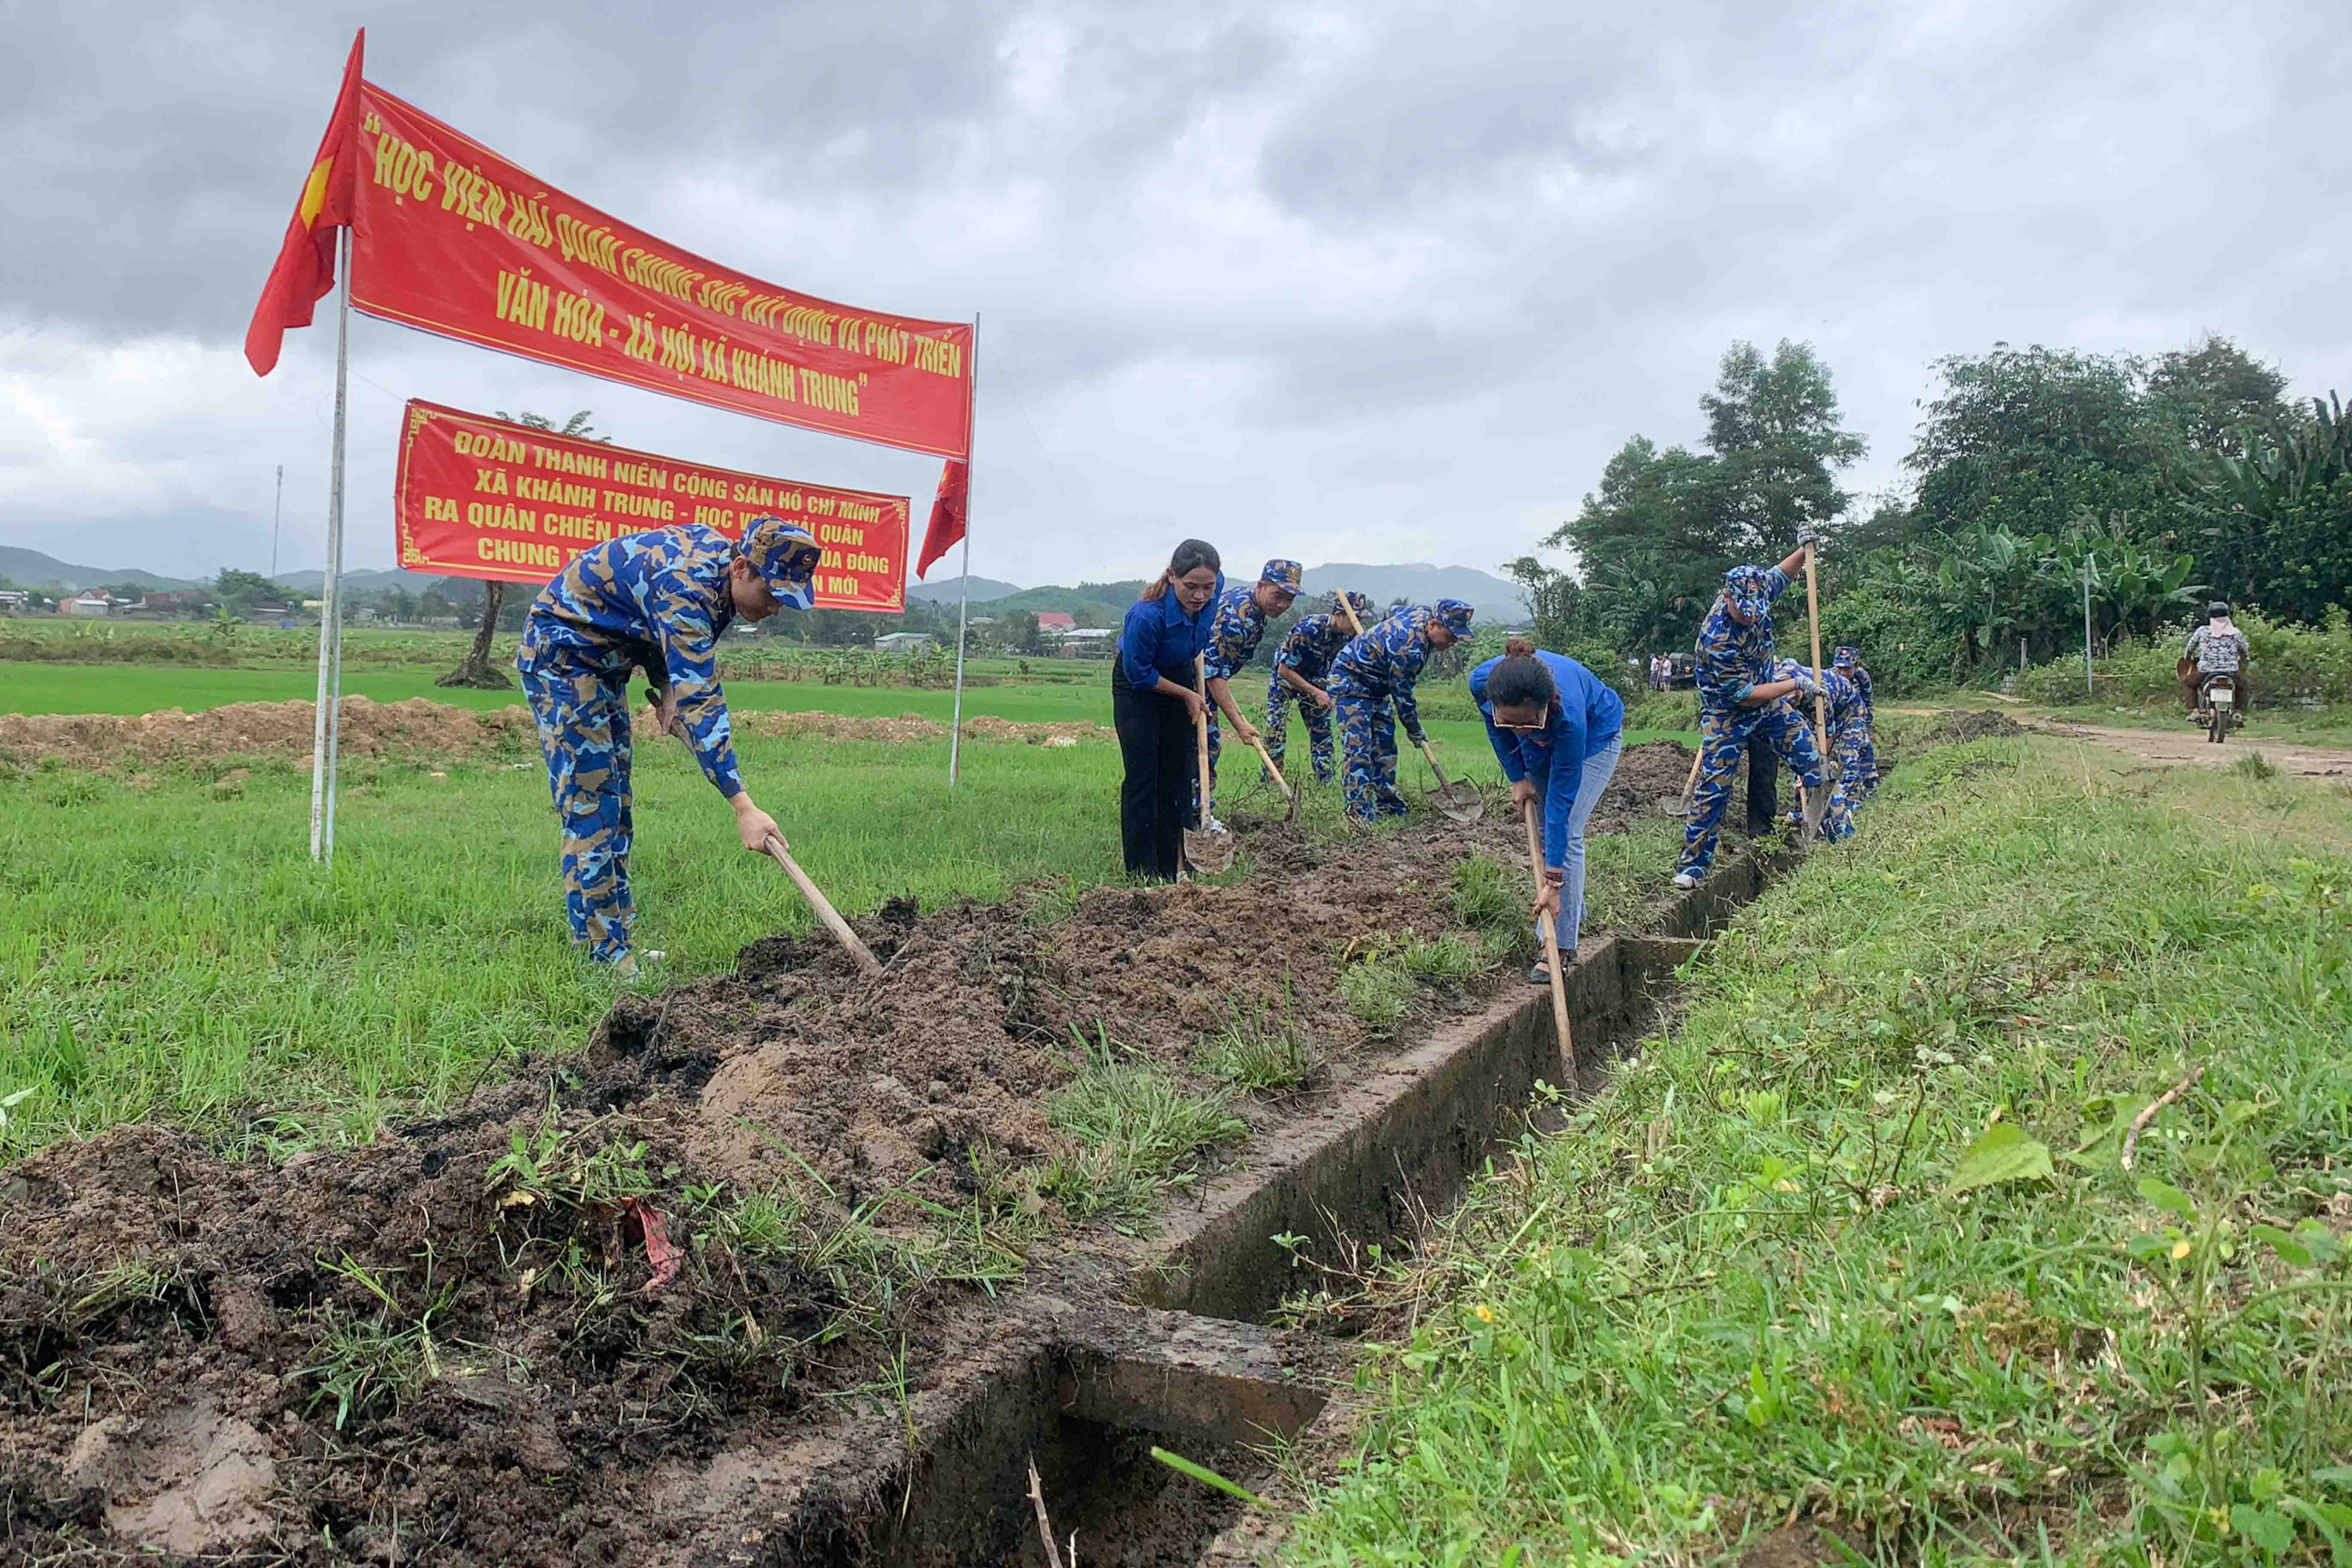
[(1848, 663), (659, 600), (1733, 661), (1307, 650), (1843, 712), (1369, 674), (1234, 632)]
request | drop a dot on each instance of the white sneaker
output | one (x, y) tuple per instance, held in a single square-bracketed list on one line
[(1685, 880), (652, 954)]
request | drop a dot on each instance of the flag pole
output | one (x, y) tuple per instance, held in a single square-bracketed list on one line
[(326, 733), (277, 515), (963, 608)]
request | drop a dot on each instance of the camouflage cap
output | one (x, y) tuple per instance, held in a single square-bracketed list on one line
[(1454, 615), (1360, 603), (785, 555), (1846, 659), (1748, 590), (1284, 574)]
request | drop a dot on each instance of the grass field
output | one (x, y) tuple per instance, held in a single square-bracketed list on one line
[(1846, 1268), (168, 947)]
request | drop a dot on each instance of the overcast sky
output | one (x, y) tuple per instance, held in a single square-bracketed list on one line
[(1358, 282)]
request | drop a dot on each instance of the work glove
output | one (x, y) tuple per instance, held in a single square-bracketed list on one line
[(1806, 685), (1811, 535), (1417, 737)]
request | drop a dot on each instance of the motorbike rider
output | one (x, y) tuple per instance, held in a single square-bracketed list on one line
[(2217, 647)]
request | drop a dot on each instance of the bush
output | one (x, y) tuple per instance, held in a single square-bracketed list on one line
[(2289, 662), (1905, 645)]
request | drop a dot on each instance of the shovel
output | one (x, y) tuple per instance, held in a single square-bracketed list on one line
[(1459, 800), (1206, 852), (1551, 950), (862, 955), (1289, 796)]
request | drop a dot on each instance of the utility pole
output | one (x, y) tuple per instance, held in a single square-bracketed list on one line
[(2089, 690), (276, 513)]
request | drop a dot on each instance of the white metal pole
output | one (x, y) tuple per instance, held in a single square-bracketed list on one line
[(2089, 689), (277, 514), (963, 610), (326, 733)]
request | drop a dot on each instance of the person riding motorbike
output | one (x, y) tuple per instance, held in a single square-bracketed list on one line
[(2217, 647)]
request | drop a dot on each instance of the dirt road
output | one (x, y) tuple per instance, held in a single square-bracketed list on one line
[(2188, 746)]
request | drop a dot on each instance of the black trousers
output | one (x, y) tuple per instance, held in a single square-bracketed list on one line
[(1763, 784), (1156, 741)]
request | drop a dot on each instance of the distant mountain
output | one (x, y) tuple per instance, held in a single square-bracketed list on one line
[(31, 569), (984, 590), (358, 581), (1496, 599)]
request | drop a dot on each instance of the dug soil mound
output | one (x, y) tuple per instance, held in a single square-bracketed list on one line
[(1957, 728), (603, 1311), (245, 729), (905, 726), (1649, 783)]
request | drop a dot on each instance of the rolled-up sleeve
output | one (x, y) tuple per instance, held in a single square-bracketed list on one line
[(675, 607)]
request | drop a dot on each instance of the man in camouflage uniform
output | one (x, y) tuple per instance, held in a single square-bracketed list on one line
[(1306, 654), (1235, 633), (1848, 663), (1367, 675), (1740, 694), (1841, 711), (659, 600)]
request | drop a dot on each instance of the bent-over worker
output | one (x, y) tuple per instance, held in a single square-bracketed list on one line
[(1740, 694), (1235, 633), (1842, 715), (1558, 730), (1152, 704), (1847, 661), (1373, 671), (657, 599), (1299, 665)]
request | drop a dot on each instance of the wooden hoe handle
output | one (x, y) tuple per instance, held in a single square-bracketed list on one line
[(1551, 950), (866, 963)]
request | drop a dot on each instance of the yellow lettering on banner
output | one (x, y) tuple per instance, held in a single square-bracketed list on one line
[(701, 485), (660, 273), (578, 318), (833, 393), (522, 299), (755, 371), (512, 517), (565, 525), (645, 476), (403, 169), (600, 247), (720, 295), (836, 533), (489, 445), (885, 342), (515, 552), (807, 322), (631, 505), (644, 343), (676, 349), (530, 487), (440, 509), (492, 482), (845, 586), (564, 459), (858, 561), (717, 517), (529, 222), (938, 357), (752, 495)]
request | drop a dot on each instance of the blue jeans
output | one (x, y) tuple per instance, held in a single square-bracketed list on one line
[(1599, 769)]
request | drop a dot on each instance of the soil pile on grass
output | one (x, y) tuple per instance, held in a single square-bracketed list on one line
[(1649, 783), (1955, 729), (507, 1333), (242, 729), (905, 726)]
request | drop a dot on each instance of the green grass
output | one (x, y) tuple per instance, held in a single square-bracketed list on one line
[(1853, 1243), (1138, 1133)]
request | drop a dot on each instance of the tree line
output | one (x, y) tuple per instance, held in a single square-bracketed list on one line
[(2036, 478)]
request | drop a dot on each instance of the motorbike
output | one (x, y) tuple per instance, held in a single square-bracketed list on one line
[(2219, 708)]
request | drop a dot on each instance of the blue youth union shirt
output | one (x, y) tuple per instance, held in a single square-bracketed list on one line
[(1587, 716), (1159, 638)]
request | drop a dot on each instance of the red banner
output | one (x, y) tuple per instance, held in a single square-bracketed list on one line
[(482, 497), (452, 238)]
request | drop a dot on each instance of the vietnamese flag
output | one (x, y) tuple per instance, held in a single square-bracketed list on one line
[(306, 261), (947, 514)]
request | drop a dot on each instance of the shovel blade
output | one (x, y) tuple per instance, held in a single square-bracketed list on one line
[(1460, 801), (1209, 853)]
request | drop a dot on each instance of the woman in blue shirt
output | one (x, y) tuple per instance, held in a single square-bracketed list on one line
[(1557, 730), (1153, 704)]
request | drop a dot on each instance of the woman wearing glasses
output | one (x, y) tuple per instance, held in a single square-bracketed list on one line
[(1557, 730)]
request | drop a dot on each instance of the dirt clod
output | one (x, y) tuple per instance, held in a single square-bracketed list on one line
[(1955, 729)]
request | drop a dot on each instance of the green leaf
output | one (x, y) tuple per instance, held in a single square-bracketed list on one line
[(2286, 1246), (2164, 1195), (2266, 1528), (1207, 1477), (2004, 1153)]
